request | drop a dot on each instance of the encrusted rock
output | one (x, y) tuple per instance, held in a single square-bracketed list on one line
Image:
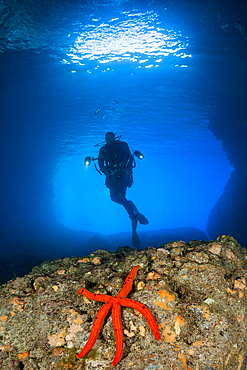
[(197, 293)]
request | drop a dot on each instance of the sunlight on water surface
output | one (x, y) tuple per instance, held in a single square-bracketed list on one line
[(133, 37)]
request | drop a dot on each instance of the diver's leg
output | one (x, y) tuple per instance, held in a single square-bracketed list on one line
[(117, 195), (141, 218)]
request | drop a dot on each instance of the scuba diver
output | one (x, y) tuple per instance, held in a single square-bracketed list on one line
[(116, 162)]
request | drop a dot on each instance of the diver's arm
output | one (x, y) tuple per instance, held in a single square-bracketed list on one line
[(101, 161), (129, 158)]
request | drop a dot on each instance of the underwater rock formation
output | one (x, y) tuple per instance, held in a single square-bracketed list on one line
[(229, 125), (47, 25), (197, 293), (229, 213)]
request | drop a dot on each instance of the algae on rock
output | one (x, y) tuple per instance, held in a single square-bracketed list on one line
[(197, 293)]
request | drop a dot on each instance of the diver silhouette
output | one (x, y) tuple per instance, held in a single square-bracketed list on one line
[(117, 163)]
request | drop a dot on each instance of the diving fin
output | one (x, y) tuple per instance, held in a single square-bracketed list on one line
[(142, 219), (135, 238)]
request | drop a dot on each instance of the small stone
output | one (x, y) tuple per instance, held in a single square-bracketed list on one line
[(129, 334), (239, 318), (86, 300), (209, 301), (132, 326), (142, 330), (96, 261), (140, 285), (153, 276), (57, 340), (229, 254), (60, 272), (169, 335), (84, 260), (240, 284), (215, 249)]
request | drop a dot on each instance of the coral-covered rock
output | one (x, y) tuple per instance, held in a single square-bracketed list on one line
[(197, 293)]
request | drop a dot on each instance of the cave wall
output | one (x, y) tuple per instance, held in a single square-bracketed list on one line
[(229, 216)]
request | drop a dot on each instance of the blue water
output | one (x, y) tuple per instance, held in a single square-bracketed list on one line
[(156, 78)]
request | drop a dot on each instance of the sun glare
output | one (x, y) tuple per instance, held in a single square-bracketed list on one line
[(137, 38)]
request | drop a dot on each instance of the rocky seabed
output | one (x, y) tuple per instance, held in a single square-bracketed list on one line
[(196, 291)]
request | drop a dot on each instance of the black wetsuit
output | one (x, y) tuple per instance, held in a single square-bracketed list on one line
[(116, 162)]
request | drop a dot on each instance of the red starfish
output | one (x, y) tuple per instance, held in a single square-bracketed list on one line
[(115, 303)]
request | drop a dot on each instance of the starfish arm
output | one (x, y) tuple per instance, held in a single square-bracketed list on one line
[(145, 312), (94, 296), (97, 324), (128, 283), (117, 325)]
